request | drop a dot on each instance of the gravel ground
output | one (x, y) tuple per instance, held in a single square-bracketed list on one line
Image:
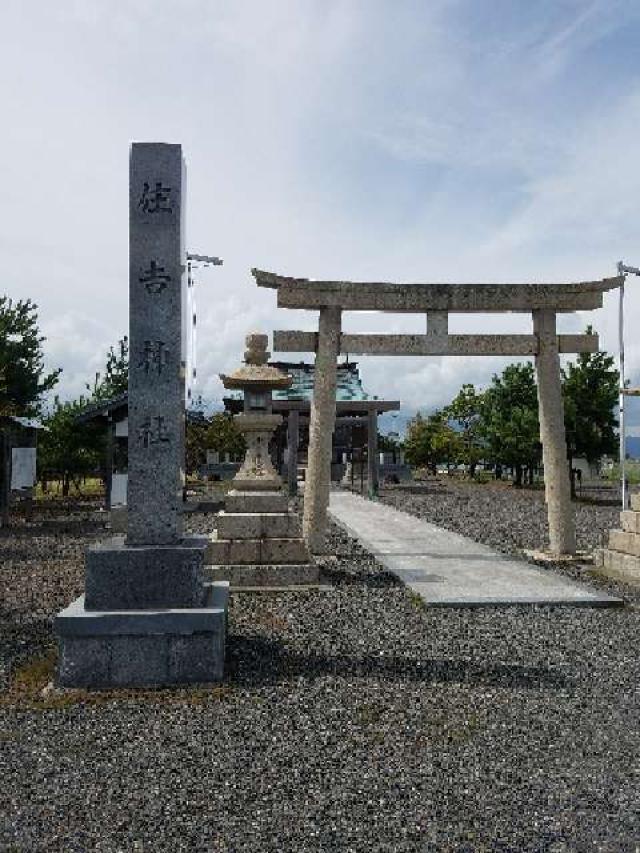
[(352, 719)]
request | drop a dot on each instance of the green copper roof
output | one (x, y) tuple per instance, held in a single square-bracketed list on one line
[(349, 382)]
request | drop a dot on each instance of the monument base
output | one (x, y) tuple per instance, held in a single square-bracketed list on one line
[(565, 559), (139, 577), (143, 648)]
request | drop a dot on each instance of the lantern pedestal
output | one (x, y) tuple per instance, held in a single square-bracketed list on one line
[(258, 542)]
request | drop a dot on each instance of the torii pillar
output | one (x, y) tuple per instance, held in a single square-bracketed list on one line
[(557, 484), (323, 418)]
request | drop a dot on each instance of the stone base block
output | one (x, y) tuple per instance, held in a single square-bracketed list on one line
[(252, 484), (302, 574), (614, 564), (565, 559), (122, 577), (630, 521), (256, 551), (275, 501), (628, 543), (635, 501), (118, 519), (264, 525), (143, 648)]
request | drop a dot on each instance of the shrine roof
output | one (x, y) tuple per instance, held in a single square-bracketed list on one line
[(350, 393)]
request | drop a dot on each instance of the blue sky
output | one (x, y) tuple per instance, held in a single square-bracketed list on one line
[(480, 140)]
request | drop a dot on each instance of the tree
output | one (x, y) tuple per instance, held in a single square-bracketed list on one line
[(430, 440), (218, 433), (68, 449), (115, 379), (590, 389), (509, 420), (23, 380), (465, 410)]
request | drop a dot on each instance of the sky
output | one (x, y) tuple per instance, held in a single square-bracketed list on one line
[(385, 140)]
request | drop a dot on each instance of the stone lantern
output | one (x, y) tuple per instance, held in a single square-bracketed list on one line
[(258, 541), (257, 422)]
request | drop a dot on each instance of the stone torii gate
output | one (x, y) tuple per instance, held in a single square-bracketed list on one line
[(544, 301)]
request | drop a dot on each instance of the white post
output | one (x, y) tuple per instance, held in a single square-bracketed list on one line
[(557, 485), (623, 449), (323, 417)]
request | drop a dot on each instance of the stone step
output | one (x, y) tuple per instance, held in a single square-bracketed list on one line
[(615, 564), (291, 574), (630, 521), (237, 501), (263, 525), (224, 552), (627, 543), (635, 501)]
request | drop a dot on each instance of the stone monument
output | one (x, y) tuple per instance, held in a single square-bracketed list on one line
[(259, 542), (148, 617)]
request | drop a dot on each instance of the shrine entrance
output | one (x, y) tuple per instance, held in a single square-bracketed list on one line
[(436, 301)]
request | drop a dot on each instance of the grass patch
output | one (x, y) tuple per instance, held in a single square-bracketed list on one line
[(416, 599), (90, 487), (32, 687)]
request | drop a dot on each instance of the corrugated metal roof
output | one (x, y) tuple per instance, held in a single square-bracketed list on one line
[(349, 383), (27, 423)]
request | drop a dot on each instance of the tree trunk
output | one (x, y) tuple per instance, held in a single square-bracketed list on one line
[(572, 477)]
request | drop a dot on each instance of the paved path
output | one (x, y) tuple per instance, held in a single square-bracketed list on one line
[(447, 569)]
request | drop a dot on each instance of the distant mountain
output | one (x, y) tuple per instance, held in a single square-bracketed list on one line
[(632, 445)]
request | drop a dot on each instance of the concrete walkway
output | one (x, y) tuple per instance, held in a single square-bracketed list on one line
[(447, 569)]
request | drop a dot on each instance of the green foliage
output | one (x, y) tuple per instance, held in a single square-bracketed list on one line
[(67, 449), (23, 381), (115, 379), (388, 443), (631, 472), (465, 410), (71, 450), (218, 433), (431, 440), (509, 419), (590, 390)]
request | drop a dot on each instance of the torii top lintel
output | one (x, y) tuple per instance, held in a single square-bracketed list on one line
[(386, 296)]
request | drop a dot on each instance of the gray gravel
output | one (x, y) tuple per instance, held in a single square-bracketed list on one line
[(353, 719)]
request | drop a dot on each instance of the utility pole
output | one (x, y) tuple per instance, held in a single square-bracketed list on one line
[(623, 271), (193, 262)]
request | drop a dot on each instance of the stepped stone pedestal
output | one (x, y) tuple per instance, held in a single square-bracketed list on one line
[(621, 560), (258, 541)]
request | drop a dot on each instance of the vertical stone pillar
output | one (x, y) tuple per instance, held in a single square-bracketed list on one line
[(156, 371), (438, 323), (292, 451), (562, 534), (323, 417), (372, 453)]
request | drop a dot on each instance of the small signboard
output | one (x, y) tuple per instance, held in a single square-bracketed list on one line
[(119, 490), (23, 467)]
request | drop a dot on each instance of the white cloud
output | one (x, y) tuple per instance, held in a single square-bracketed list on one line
[(328, 139)]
